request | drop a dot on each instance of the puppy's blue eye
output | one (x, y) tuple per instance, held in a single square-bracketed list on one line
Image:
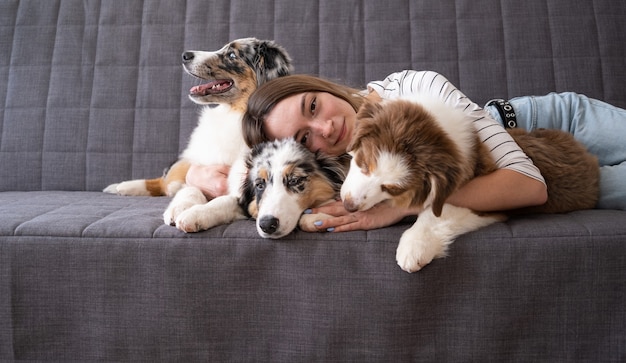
[(260, 185), (232, 55)]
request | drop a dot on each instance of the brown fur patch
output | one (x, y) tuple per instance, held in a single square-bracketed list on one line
[(263, 174), (288, 170), (317, 192), (253, 209), (572, 174), (402, 197), (247, 83), (176, 173), (156, 187)]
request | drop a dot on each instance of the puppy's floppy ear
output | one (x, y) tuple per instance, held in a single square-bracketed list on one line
[(442, 187), (364, 115), (334, 167), (392, 189), (271, 61), (248, 198), (368, 110), (402, 196), (353, 145)]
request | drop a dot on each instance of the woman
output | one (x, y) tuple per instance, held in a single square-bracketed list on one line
[(321, 115)]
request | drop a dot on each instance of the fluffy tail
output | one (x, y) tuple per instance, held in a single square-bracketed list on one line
[(572, 173), (167, 185)]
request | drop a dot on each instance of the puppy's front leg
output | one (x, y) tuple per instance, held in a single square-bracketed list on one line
[(418, 246), (430, 236), (221, 210)]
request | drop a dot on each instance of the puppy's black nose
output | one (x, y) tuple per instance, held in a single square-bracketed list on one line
[(187, 57), (269, 224)]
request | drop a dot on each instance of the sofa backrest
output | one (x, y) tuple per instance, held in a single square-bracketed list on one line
[(92, 92)]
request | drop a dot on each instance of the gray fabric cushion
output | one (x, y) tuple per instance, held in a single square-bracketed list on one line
[(113, 283)]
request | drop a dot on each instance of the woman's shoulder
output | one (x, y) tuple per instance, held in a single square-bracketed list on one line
[(409, 82)]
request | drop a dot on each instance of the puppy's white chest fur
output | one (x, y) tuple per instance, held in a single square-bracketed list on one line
[(217, 139)]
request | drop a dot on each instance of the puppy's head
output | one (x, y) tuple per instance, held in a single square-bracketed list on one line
[(232, 73), (284, 179), (399, 153)]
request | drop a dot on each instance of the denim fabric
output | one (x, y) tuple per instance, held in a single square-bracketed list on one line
[(599, 126)]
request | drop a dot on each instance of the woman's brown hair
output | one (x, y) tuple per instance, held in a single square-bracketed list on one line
[(263, 100)]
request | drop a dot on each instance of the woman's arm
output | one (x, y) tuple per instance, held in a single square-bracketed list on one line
[(501, 190), (504, 189)]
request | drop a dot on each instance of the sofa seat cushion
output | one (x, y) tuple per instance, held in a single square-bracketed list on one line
[(101, 215)]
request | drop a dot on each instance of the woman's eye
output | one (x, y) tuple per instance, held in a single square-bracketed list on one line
[(304, 139), (313, 105)]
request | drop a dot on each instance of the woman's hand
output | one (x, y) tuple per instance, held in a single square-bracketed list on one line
[(212, 180), (381, 215)]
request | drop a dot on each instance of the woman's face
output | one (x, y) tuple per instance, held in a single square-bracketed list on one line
[(318, 120)]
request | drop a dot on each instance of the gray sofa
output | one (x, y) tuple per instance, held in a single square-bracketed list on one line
[(92, 92)]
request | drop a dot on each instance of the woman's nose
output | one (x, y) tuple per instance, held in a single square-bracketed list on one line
[(326, 128)]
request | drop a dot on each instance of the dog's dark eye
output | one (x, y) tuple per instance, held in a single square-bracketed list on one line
[(259, 184), (294, 181)]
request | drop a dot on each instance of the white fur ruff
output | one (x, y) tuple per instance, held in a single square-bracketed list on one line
[(216, 140)]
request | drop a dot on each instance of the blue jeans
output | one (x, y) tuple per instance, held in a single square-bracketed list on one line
[(599, 126)]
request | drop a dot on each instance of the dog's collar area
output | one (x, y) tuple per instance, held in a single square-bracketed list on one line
[(506, 111)]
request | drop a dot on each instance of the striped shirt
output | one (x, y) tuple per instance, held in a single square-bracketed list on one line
[(504, 150)]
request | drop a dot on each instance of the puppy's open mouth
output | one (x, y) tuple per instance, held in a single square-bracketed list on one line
[(211, 88)]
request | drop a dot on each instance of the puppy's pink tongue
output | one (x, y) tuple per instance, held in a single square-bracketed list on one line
[(210, 88)]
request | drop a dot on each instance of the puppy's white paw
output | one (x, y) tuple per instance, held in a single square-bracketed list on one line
[(414, 252), (307, 221), (193, 219), (184, 199), (174, 210)]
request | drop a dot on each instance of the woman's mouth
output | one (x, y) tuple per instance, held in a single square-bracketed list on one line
[(342, 133)]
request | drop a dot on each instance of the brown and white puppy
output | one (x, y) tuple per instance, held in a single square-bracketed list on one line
[(229, 76), (284, 179), (417, 153)]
